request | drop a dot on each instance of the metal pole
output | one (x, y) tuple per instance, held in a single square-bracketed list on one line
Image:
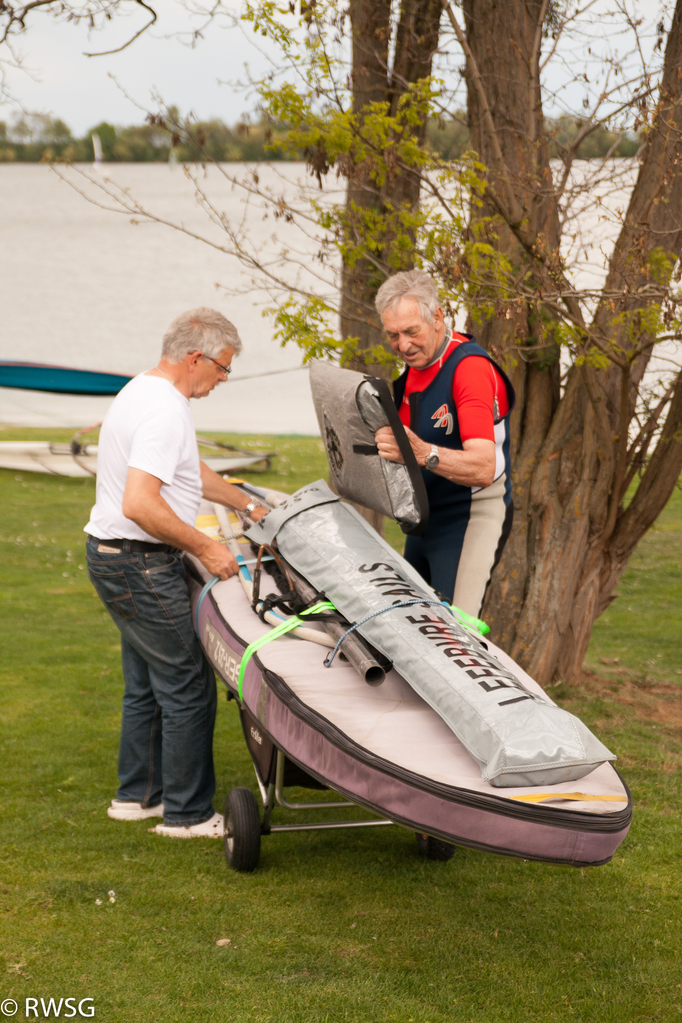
[(282, 801), (328, 826)]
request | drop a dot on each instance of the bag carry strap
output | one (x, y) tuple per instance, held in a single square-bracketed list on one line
[(276, 633)]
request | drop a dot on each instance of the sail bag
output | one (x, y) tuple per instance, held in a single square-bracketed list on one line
[(517, 737), (350, 408)]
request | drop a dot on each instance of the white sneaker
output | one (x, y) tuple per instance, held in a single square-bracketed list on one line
[(122, 810), (212, 828)]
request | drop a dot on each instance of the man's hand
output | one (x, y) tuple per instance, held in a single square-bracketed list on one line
[(388, 446), (217, 559)]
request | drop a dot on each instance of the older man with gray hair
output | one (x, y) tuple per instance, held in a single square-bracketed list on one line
[(150, 482), (455, 403)]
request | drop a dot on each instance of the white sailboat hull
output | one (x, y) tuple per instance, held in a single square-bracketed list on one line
[(60, 460)]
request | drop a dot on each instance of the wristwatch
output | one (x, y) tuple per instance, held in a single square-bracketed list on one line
[(433, 458), (251, 507)]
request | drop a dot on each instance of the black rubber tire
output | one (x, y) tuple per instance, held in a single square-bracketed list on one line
[(434, 848), (242, 830)]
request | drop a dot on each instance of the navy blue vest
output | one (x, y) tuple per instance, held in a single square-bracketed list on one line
[(433, 417)]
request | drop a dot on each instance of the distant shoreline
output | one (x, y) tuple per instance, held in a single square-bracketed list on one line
[(41, 138)]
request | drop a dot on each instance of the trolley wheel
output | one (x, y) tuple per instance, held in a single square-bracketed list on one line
[(434, 848), (242, 830)]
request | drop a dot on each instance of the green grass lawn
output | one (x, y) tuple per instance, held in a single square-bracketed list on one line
[(335, 926), (640, 634)]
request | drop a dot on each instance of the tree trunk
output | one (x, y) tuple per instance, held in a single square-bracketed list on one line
[(571, 538), (371, 30), (374, 81), (503, 35)]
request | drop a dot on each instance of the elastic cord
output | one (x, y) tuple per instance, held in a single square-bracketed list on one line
[(209, 585), (403, 603)]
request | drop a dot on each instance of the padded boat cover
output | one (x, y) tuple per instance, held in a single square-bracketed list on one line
[(517, 737), (350, 409)]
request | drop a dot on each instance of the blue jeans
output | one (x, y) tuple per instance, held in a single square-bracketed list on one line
[(169, 702)]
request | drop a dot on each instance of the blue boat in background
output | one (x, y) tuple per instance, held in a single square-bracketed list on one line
[(38, 376)]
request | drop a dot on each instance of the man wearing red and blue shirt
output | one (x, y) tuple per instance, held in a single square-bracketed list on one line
[(455, 403)]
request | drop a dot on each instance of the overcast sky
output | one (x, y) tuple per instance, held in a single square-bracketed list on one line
[(77, 88)]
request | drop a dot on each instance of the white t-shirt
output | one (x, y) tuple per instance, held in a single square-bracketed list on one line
[(149, 426)]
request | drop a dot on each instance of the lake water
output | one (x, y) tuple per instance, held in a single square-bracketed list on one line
[(82, 286)]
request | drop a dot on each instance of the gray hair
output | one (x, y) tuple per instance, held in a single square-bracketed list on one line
[(414, 284), (199, 330)]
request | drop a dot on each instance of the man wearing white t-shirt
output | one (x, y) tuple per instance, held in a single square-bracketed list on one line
[(150, 481)]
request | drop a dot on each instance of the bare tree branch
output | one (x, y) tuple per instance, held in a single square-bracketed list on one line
[(105, 53)]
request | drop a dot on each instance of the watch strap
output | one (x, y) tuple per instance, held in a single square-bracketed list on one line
[(432, 460)]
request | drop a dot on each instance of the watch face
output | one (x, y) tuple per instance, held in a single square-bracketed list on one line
[(432, 461)]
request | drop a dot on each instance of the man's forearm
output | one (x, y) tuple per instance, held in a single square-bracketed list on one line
[(472, 467), (144, 505), (158, 519), (468, 468), (215, 488)]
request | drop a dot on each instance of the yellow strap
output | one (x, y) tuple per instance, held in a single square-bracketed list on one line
[(583, 797)]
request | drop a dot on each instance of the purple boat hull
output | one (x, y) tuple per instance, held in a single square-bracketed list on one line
[(454, 813)]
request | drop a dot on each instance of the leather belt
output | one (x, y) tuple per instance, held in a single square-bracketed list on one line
[(136, 546)]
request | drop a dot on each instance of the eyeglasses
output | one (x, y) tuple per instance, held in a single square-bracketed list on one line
[(226, 369)]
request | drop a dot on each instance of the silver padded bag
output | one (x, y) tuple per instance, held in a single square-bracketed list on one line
[(516, 736), (350, 408)]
